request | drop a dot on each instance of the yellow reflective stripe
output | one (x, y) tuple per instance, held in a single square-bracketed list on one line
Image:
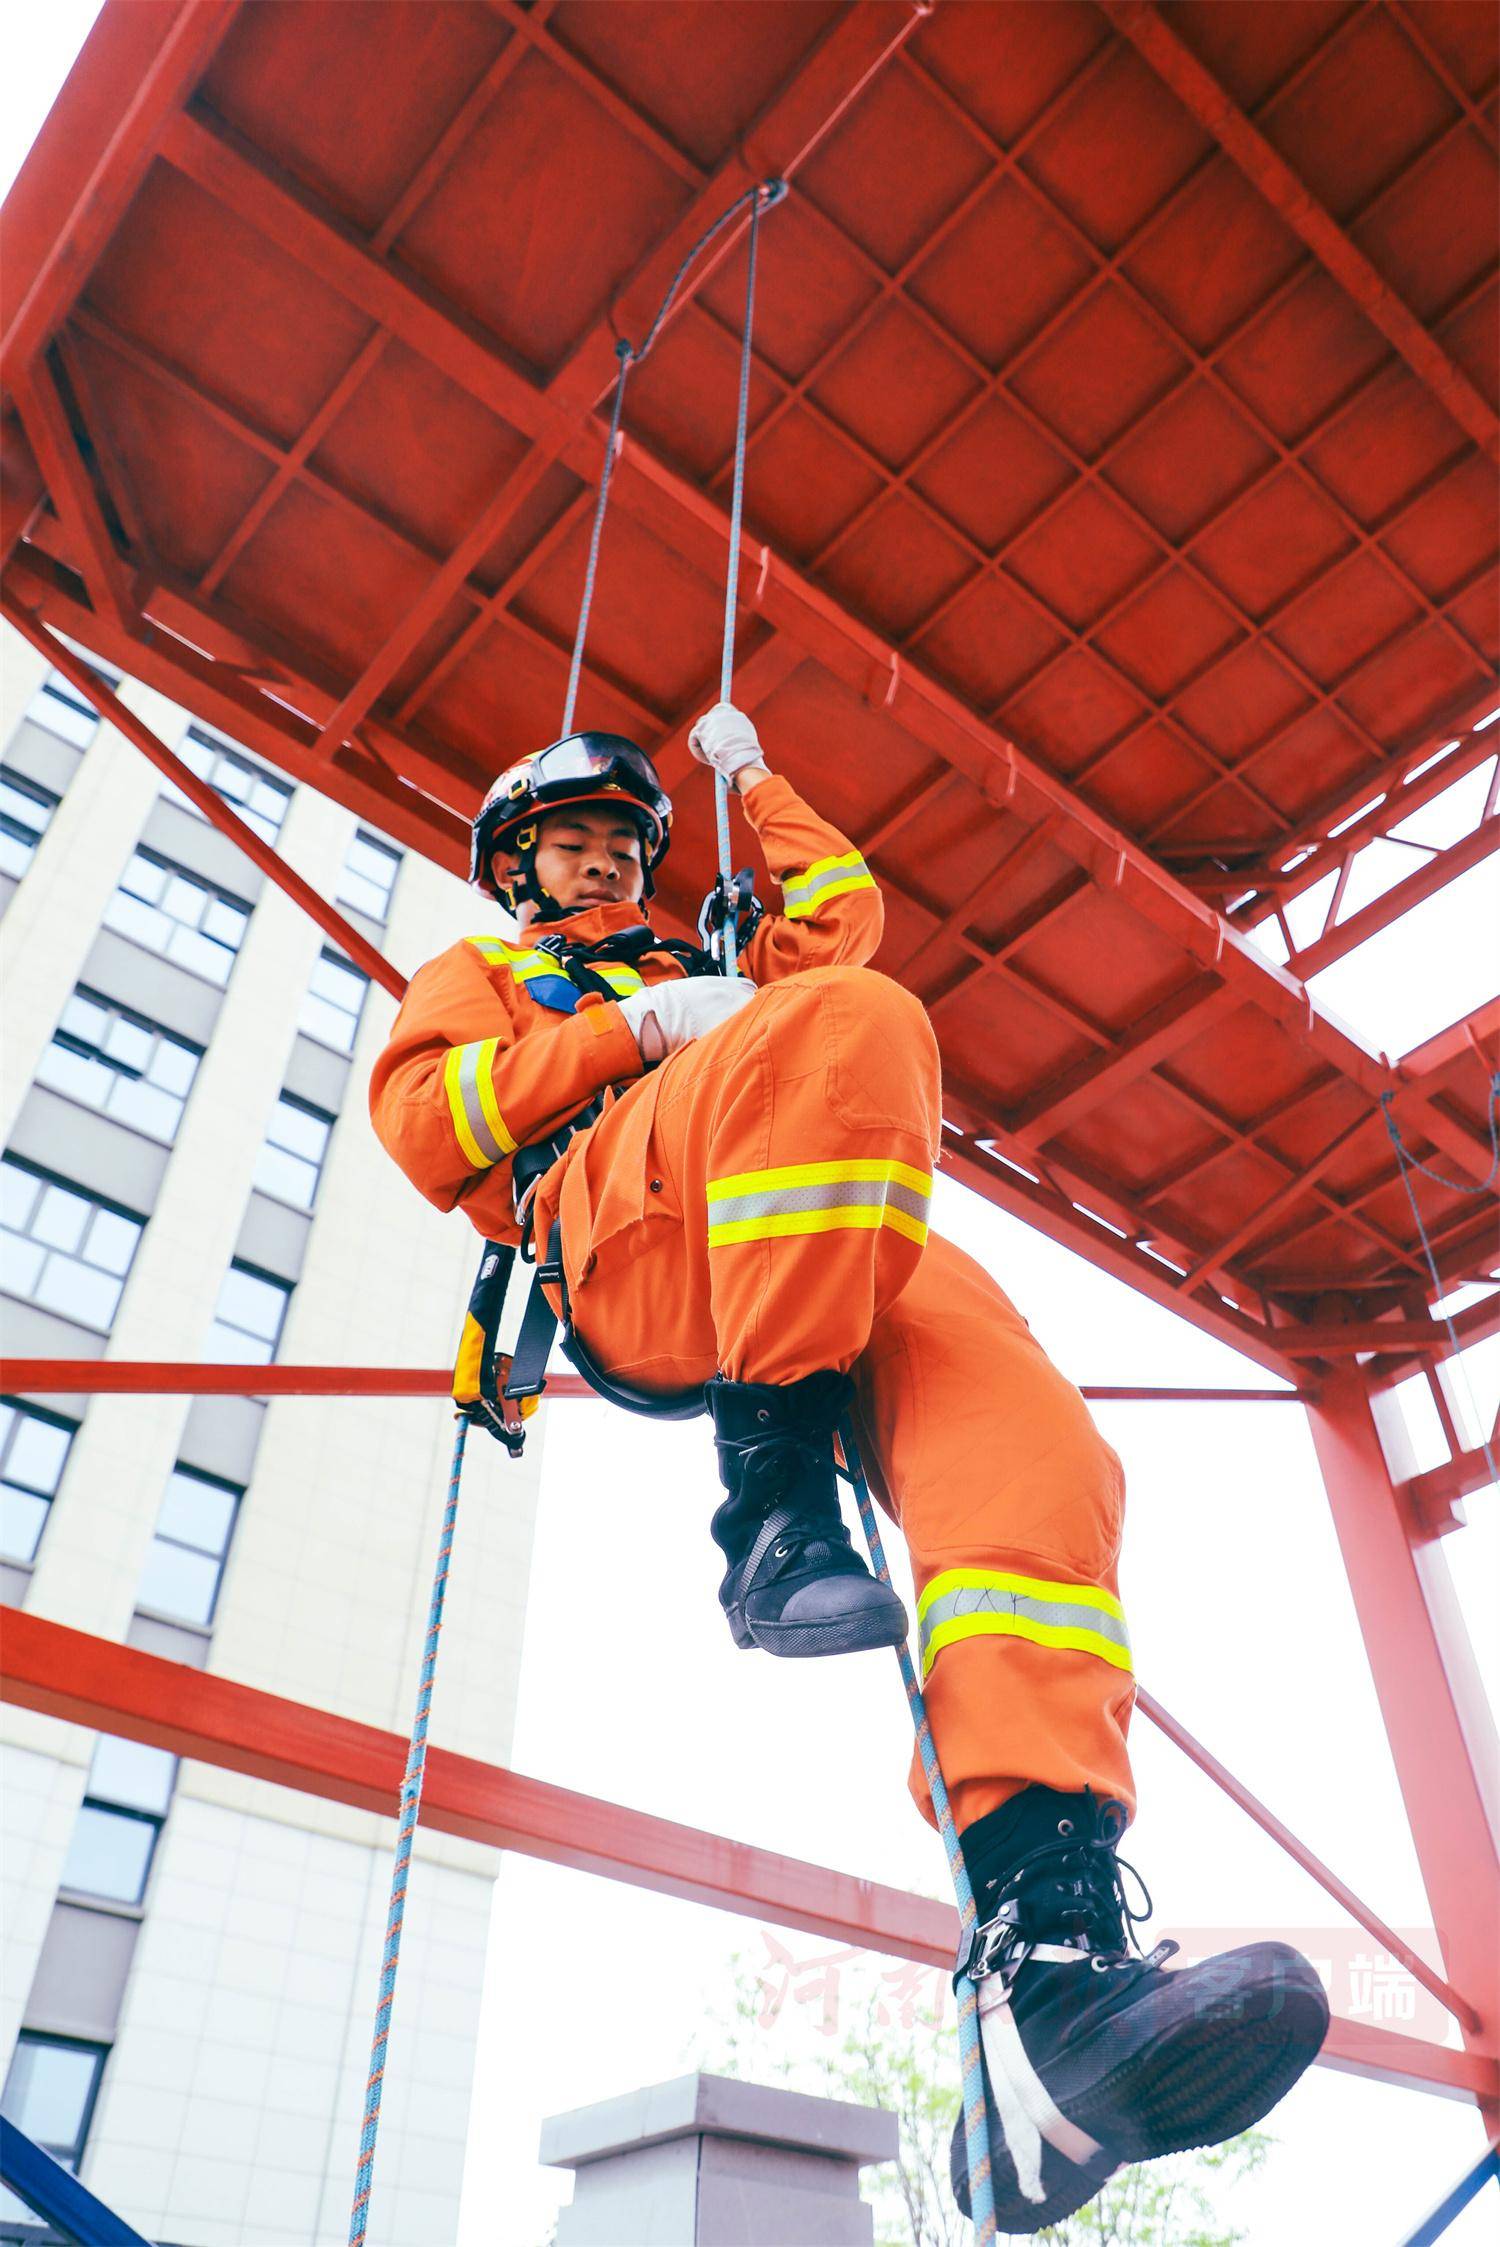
[(802, 909), (818, 1174), (619, 977), (485, 1072), (858, 1219), (468, 1081), (809, 874), (828, 877), (1029, 1587), (453, 1087), (989, 1624)]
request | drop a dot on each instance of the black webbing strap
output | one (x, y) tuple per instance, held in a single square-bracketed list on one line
[(539, 1325)]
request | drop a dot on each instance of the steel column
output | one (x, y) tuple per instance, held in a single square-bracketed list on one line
[(1437, 1716)]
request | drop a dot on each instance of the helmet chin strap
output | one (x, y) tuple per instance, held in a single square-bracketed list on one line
[(524, 884)]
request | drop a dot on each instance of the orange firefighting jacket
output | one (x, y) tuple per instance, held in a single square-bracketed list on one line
[(491, 1051)]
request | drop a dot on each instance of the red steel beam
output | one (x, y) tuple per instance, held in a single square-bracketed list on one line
[(74, 186), (74, 495), (212, 806), (1432, 1699), (694, 527), (81, 1679), (1206, 100), (840, 65), (166, 1377), (1282, 1835), (1446, 866)]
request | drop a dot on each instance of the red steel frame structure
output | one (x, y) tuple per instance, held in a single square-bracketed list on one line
[(1439, 1723), (1270, 1218)]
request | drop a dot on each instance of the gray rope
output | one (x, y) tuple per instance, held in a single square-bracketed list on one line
[(732, 580), (1407, 1163), (625, 355), (761, 196)]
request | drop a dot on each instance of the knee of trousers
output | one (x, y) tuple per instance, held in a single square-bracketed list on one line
[(871, 1013)]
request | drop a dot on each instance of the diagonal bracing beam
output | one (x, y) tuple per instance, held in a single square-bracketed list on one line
[(1268, 171)]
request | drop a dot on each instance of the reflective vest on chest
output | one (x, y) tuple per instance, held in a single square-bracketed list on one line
[(544, 978)]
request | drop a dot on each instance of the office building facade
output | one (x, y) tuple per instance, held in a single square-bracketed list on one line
[(188, 1172)]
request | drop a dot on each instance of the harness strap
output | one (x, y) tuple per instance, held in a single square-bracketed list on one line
[(539, 1325)]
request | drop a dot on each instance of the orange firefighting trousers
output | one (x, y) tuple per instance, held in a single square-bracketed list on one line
[(758, 1206)]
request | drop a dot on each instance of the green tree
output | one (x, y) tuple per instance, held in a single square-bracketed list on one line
[(910, 2065)]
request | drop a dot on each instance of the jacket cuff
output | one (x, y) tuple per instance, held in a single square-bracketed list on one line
[(611, 1043)]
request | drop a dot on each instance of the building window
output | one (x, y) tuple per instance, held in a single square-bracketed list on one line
[(120, 1064), (33, 1452), (334, 1002), (64, 1251), (246, 787), (291, 1161), (26, 810), (61, 709), (175, 914), (124, 1807), (50, 2094), (250, 1315), (369, 876), (186, 1560)]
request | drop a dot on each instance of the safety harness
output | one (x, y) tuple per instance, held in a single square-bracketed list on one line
[(506, 1392)]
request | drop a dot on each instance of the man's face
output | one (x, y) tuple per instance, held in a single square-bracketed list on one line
[(587, 856)]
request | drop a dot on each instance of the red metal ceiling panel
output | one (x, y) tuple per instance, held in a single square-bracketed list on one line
[(1119, 501)]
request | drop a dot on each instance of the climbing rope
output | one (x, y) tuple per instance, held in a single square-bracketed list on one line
[(761, 197), (975, 2109), (1407, 1162), (411, 1797), (764, 198)]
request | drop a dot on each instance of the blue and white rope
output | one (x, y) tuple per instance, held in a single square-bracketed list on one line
[(976, 2118), (411, 1797)]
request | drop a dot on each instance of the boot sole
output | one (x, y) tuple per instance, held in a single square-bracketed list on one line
[(1206, 2081), (1205, 2084), (849, 1634)]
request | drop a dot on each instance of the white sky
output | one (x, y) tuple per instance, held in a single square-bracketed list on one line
[(1240, 1616)]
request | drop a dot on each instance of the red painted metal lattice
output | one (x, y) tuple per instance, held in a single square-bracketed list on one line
[(1120, 556)]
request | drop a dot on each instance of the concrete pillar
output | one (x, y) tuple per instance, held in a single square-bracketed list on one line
[(707, 2161)]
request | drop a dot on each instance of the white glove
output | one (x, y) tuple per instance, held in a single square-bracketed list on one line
[(726, 739), (667, 1016)]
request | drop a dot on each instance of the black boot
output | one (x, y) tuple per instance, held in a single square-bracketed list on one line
[(1093, 2055), (795, 1584)]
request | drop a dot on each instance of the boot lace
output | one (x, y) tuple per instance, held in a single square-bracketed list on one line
[(1067, 1893)]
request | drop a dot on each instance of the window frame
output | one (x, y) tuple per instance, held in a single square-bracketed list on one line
[(223, 751), (285, 1288), (349, 873), (233, 1490), (285, 1099), (331, 957), (70, 1428), (46, 801), (66, 2159), (71, 1041), (211, 890), (98, 1204)]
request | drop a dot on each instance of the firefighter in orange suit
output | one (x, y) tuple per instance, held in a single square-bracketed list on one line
[(749, 1213)]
